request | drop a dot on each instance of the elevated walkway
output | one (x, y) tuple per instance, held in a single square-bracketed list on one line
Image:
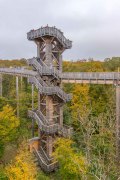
[(91, 77), (69, 77), (18, 72)]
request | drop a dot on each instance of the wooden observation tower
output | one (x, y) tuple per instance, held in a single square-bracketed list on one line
[(51, 43), (47, 76)]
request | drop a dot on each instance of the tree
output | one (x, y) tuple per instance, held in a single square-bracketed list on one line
[(23, 167), (72, 165), (80, 101), (8, 126)]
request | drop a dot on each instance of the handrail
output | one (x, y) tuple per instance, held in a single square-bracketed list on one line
[(18, 72), (35, 63), (65, 130), (43, 69), (48, 159), (51, 31), (47, 128), (47, 167), (42, 117), (50, 90), (91, 75)]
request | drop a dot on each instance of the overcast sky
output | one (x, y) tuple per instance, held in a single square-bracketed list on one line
[(92, 25)]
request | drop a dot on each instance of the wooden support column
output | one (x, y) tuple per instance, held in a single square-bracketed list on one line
[(32, 96), (0, 85), (49, 146), (49, 116), (17, 95), (118, 125), (49, 109), (61, 116), (38, 49), (48, 53), (33, 123)]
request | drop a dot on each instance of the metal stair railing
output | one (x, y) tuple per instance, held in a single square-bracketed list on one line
[(46, 167)]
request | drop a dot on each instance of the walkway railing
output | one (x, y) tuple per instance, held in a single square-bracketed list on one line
[(18, 71), (91, 75), (51, 31)]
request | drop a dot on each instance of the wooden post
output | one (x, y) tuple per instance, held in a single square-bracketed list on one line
[(118, 124), (32, 96), (17, 95), (21, 82), (38, 49), (32, 109), (0, 85)]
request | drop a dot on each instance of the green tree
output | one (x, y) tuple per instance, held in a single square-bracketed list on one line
[(72, 165), (8, 126)]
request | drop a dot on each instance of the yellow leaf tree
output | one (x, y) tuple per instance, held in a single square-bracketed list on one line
[(80, 102), (8, 126), (23, 167)]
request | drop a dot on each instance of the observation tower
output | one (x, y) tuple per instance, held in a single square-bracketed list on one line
[(51, 43)]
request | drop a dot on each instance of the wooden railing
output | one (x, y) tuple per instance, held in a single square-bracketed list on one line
[(18, 72), (49, 129), (42, 68), (50, 90), (44, 125), (49, 160), (91, 75), (51, 31), (46, 167)]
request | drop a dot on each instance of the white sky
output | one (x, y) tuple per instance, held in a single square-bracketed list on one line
[(92, 25)]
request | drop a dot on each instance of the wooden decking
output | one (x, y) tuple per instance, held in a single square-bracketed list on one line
[(71, 77)]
